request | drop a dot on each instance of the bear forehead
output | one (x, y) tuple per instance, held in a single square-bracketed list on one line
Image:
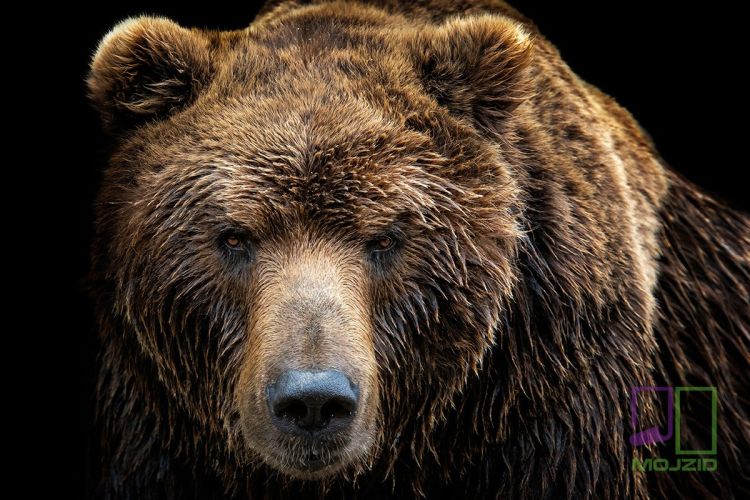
[(331, 158), (261, 160)]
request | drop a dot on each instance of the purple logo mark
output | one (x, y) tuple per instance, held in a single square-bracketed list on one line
[(652, 434)]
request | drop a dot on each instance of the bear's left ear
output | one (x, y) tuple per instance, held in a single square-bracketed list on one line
[(475, 66), (145, 68)]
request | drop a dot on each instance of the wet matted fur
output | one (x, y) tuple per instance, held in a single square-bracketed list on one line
[(543, 261)]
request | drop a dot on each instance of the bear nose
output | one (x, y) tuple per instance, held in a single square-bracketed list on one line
[(312, 402)]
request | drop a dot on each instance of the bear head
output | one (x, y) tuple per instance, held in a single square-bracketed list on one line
[(303, 229)]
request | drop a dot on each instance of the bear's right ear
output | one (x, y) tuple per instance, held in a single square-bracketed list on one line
[(145, 68)]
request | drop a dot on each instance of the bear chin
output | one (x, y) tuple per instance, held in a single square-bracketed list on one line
[(305, 463)]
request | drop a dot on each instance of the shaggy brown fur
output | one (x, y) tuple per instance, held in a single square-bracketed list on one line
[(542, 261)]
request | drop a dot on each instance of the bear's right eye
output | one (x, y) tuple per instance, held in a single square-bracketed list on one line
[(236, 245)]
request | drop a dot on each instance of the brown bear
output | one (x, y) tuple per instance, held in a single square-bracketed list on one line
[(386, 249)]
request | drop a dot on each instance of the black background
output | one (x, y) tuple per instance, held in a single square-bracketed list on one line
[(673, 66)]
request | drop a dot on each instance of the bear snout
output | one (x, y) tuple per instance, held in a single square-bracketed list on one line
[(308, 391)]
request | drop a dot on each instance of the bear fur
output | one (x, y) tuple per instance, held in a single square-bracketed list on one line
[(547, 260)]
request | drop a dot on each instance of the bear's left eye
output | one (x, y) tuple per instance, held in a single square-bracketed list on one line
[(232, 241), (381, 248), (384, 243)]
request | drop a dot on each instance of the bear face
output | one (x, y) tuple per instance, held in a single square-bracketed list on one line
[(304, 231)]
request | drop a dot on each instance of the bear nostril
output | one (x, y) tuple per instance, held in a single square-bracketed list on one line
[(337, 408), (311, 402), (293, 409)]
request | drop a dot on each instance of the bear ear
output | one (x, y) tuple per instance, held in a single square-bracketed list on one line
[(146, 67), (475, 66)]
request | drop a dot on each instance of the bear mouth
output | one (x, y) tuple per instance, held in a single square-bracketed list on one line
[(317, 459), (314, 461), (309, 463)]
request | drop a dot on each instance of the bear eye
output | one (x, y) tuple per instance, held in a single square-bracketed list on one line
[(232, 241), (381, 248), (236, 245), (384, 243)]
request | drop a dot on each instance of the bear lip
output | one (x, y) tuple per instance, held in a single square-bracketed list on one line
[(309, 467), (308, 460)]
